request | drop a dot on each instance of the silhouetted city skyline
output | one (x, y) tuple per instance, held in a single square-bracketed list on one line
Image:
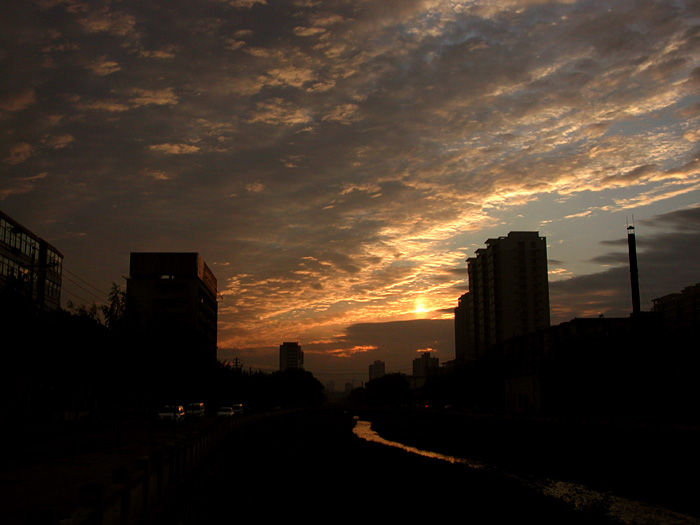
[(508, 358), (226, 206)]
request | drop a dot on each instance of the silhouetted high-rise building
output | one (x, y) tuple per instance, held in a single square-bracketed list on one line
[(464, 330), (508, 294), (172, 297), (376, 370), (30, 264), (425, 365), (291, 356)]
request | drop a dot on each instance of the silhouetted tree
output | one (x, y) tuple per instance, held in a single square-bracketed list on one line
[(438, 390), (391, 389), (296, 388), (357, 396), (114, 313)]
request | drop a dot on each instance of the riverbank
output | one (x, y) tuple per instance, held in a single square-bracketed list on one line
[(653, 464), (310, 465)]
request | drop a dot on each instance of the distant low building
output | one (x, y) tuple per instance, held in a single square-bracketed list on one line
[(29, 263), (291, 356), (679, 310)]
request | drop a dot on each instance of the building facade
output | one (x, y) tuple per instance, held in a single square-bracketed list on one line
[(173, 296), (679, 310), (508, 294), (30, 264), (376, 370), (425, 365), (465, 348), (291, 356)]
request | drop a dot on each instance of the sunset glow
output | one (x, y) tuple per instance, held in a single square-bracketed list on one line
[(336, 162), (420, 307)]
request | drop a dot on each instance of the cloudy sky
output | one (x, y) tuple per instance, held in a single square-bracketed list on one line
[(336, 161)]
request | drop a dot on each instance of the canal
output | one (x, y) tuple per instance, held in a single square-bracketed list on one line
[(333, 465)]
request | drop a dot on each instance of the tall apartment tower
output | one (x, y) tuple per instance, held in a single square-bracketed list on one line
[(291, 356), (508, 294)]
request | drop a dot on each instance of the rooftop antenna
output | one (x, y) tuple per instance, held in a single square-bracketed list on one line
[(634, 272)]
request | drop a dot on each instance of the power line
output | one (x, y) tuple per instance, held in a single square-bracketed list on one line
[(84, 281), (66, 291), (101, 299), (98, 296)]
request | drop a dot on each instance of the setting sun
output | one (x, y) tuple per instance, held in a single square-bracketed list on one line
[(419, 307)]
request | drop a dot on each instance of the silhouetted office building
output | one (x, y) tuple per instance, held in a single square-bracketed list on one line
[(508, 294), (29, 263), (291, 356), (173, 297), (376, 370)]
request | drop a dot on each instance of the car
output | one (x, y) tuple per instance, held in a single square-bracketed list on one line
[(225, 412), (171, 413), (195, 410), (238, 408)]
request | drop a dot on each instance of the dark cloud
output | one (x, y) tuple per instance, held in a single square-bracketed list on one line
[(685, 220), (667, 263), (300, 146), (396, 343)]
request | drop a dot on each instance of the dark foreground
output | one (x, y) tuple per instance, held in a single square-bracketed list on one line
[(310, 466)]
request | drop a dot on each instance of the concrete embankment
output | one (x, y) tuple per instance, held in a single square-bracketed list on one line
[(139, 491), (92, 477)]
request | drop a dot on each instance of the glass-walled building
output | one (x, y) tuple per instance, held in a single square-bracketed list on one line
[(29, 264)]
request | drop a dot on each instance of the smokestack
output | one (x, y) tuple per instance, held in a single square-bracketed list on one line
[(634, 273)]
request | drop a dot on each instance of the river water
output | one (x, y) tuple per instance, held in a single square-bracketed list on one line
[(574, 495)]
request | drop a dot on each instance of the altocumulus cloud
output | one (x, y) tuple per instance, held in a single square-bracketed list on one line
[(335, 162)]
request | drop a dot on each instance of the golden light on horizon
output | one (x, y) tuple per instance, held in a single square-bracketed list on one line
[(419, 306)]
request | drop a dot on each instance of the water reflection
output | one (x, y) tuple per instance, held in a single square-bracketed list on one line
[(363, 429), (577, 496)]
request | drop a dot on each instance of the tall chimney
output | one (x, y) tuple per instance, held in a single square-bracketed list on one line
[(634, 273)]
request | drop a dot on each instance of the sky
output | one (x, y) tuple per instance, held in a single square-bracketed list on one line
[(335, 162)]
